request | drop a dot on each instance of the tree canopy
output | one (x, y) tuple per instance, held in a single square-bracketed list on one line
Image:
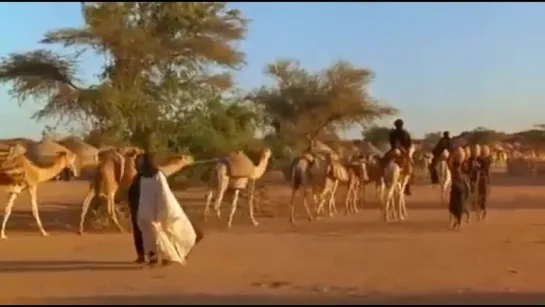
[(158, 59), (302, 104)]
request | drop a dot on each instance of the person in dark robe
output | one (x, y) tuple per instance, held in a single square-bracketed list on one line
[(459, 191), (399, 139), (483, 183), (143, 167), (147, 169), (443, 144)]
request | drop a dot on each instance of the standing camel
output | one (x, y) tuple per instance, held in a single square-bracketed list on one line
[(336, 173), (234, 171), (18, 173), (115, 173), (308, 175), (357, 175), (396, 176)]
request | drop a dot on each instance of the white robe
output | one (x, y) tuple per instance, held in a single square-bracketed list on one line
[(164, 224)]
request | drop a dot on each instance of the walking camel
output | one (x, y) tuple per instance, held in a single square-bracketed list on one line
[(115, 172), (18, 173), (235, 171), (336, 173), (396, 176), (308, 176), (357, 176)]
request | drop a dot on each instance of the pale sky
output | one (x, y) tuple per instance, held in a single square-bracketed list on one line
[(446, 66)]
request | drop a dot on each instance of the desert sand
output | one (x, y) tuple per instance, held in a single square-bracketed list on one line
[(343, 259)]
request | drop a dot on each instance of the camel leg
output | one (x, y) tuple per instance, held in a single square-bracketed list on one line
[(233, 207), (84, 209), (112, 214), (332, 207), (251, 203), (402, 205), (322, 196), (209, 197), (347, 199), (305, 204), (33, 192), (220, 192), (292, 205), (7, 213)]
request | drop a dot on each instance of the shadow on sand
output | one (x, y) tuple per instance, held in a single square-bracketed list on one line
[(206, 299), (64, 266)]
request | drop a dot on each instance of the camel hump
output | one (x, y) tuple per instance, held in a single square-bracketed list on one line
[(11, 166), (338, 172), (239, 165)]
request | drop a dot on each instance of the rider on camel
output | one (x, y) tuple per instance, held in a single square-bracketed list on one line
[(399, 139), (444, 143)]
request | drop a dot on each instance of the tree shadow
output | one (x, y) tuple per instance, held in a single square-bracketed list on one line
[(503, 298), (65, 266)]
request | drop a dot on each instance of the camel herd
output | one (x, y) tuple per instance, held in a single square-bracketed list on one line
[(315, 175)]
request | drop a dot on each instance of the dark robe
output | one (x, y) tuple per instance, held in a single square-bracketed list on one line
[(459, 191)]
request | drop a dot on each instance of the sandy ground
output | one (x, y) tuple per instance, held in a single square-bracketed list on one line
[(344, 259)]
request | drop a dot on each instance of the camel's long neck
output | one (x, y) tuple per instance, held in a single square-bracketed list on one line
[(41, 174), (173, 167), (260, 168)]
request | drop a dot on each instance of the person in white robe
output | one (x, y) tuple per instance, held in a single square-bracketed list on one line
[(166, 230)]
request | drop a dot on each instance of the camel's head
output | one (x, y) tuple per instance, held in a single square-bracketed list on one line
[(445, 154), (130, 151), (68, 160), (184, 159), (266, 154)]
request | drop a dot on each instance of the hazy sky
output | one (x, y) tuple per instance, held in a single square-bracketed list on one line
[(445, 66)]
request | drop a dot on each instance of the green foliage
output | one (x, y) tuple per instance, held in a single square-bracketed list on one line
[(376, 135), (482, 135), (165, 84), (158, 56), (303, 104)]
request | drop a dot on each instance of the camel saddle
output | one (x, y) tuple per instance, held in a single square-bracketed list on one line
[(404, 162), (238, 164)]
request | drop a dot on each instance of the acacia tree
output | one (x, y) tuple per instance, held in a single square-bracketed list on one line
[(301, 105), (376, 135), (158, 57)]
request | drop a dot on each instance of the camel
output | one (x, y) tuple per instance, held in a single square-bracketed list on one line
[(445, 177), (396, 178), (336, 173), (115, 172), (308, 175), (235, 171), (19, 173), (375, 175), (357, 175)]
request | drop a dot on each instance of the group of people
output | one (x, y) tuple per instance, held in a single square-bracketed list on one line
[(470, 174), (161, 229)]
